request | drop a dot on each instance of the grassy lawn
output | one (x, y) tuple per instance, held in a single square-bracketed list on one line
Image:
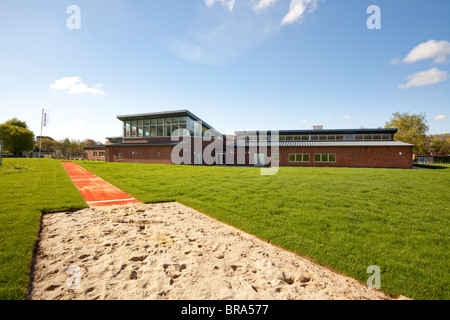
[(344, 218), (28, 188)]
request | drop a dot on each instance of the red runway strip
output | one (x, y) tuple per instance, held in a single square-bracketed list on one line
[(96, 191)]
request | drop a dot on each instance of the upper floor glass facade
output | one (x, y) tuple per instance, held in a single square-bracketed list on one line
[(165, 127)]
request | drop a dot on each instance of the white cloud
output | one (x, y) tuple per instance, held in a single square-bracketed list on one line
[(328, 117), (227, 4), (425, 78), (440, 117), (263, 4), (395, 61), (304, 121), (432, 49), (297, 9), (346, 117), (75, 85), (246, 23), (65, 83)]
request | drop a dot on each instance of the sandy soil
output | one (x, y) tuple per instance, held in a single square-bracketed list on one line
[(170, 251)]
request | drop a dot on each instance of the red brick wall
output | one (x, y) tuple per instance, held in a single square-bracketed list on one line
[(142, 154), (89, 154), (366, 157), (145, 140), (148, 154)]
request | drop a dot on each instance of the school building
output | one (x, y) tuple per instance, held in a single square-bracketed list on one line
[(180, 137)]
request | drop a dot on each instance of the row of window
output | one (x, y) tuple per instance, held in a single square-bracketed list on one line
[(319, 157), (332, 137), (164, 127), (99, 154)]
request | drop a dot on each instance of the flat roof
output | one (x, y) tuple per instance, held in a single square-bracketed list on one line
[(144, 144), (341, 143), (156, 115), (322, 131)]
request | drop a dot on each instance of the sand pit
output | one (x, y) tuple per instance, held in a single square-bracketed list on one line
[(170, 251)]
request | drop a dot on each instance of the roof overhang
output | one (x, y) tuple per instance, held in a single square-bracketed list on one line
[(323, 131)]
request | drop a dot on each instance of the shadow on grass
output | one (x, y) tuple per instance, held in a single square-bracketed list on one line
[(433, 166)]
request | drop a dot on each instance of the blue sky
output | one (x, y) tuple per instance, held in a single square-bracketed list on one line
[(237, 64)]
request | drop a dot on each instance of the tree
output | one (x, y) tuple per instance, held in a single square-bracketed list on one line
[(64, 146), (440, 144), (90, 142), (48, 144), (16, 136), (412, 128)]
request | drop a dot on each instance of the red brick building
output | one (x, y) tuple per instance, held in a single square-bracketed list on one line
[(180, 137)]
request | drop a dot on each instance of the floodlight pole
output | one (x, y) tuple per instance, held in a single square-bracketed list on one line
[(40, 138)]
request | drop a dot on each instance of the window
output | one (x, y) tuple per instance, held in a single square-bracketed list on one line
[(102, 154), (282, 138), (146, 132), (368, 137), (289, 138), (386, 137), (322, 137), (377, 137), (323, 157), (119, 156), (314, 137), (359, 137), (95, 154), (297, 138), (299, 157), (340, 137), (305, 137)]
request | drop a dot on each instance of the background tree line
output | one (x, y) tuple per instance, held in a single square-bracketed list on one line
[(413, 128), (18, 138)]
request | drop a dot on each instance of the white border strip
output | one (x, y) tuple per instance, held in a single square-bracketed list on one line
[(111, 200)]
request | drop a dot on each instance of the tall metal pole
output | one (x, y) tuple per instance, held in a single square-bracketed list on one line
[(40, 138)]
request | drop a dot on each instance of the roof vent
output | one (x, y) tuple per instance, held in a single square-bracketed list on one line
[(318, 127)]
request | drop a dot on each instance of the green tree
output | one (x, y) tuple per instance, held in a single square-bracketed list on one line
[(48, 144), (412, 128), (440, 144), (16, 136), (64, 146)]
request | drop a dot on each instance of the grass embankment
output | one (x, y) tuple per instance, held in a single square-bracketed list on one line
[(344, 218), (28, 188)]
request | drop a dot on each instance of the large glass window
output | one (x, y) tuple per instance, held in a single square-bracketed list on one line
[(163, 127), (323, 157), (299, 157), (368, 137), (386, 137), (140, 128), (146, 131), (133, 129)]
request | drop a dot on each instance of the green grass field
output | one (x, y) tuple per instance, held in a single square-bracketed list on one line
[(344, 218), (347, 219), (28, 188)]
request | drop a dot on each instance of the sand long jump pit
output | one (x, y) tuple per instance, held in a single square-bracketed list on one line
[(170, 251)]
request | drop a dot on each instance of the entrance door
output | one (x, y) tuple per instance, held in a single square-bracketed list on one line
[(220, 159), (198, 159), (259, 159)]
